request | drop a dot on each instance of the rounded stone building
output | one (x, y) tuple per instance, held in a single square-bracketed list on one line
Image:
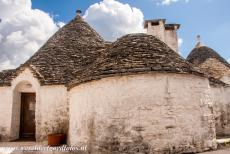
[(141, 96), (43, 79), (211, 62), (134, 95), (217, 67)]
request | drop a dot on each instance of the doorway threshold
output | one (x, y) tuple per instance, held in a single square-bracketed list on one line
[(25, 140)]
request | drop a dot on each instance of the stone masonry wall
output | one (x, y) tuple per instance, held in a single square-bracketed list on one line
[(222, 110), (217, 69), (150, 113)]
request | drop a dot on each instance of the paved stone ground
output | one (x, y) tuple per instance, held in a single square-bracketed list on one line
[(32, 144), (223, 144), (225, 151)]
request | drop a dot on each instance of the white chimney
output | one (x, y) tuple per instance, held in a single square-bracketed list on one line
[(165, 32), (171, 38), (156, 28)]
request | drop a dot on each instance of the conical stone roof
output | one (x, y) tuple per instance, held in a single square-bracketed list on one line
[(69, 50), (6, 76), (72, 48), (210, 62), (132, 54), (201, 53)]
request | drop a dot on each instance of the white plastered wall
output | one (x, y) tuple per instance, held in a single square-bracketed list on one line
[(25, 82), (158, 111), (51, 113), (5, 110), (158, 31), (221, 97), (171, 39), (54, 111)]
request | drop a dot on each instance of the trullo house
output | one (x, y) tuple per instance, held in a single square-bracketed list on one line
[(136, 94)]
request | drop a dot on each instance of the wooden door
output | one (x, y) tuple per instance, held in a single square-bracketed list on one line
[(27, 124)]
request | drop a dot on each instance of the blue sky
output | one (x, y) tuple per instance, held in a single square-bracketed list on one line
[(208, 18), (27, 24)]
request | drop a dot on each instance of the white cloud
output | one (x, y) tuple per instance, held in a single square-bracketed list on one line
[(113, 19), (168, 2), (22, 31), (228, 60), (60, 24), (180, 42)]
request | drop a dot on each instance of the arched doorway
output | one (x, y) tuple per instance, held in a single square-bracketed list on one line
[(27, 116), (23, 113)]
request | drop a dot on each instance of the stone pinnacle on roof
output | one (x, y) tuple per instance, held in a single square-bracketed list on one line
[(78, 12), (209, 61), (199, 43), (201, 53)]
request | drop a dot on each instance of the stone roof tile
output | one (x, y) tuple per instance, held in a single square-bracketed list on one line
[(135, 53), (201, 53), (70, 49), (6, 77)]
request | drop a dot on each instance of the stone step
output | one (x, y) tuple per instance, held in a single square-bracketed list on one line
[(223, 141)]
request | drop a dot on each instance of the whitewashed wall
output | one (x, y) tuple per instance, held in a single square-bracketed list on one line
[(51, 113), (154, 112), (24, 82), (222, 110), (171, 39), (167, 36), (54, 111), (158, 31), (5, 113)]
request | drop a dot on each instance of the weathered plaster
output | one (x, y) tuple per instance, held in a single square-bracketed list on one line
[(168, 36), (51, 113), (5, 110), (54, 108), (171, 39), (157, 30), (222, 110), (24, 82), (143, 113)]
